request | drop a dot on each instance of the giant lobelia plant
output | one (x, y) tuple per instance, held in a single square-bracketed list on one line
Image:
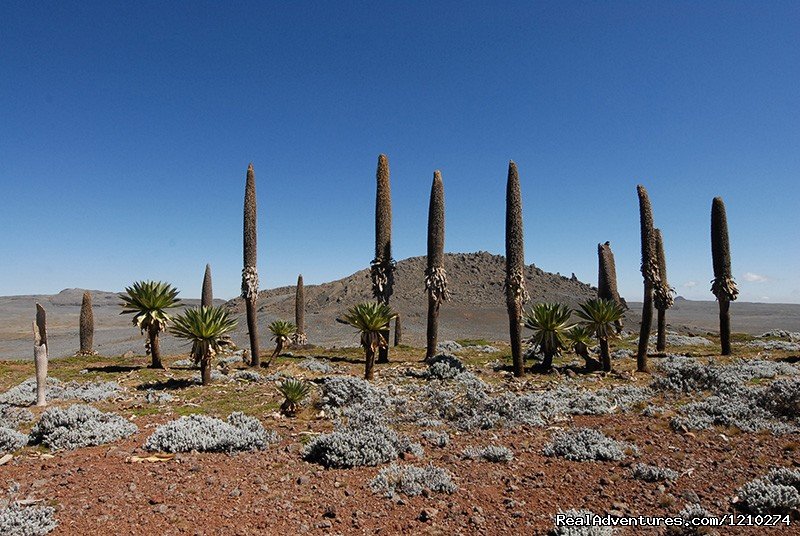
[(250, 272), (207, 328), (723, 286), (516, 294), (148, 302), (662, 295), (650, 275), (383, 265), (435, 274)]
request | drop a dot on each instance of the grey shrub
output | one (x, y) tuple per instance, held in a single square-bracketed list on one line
[(355, 447), (586, 444), (208, 434), (340, 391), (781, 398), (437, 439), (79, 426), (24, 394), (412, 480), (315, 365), (12, 417), (11, 440), (581, 530), (444, 366), (19, 520), (776, 493), (653, 473), (248, 376)]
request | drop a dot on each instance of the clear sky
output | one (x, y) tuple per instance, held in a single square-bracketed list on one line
[(126, 129)]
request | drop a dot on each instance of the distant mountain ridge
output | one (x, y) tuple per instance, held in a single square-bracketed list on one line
[(68, 297)]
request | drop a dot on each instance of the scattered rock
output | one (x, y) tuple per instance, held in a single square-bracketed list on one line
[(428, 514), (477, 520), (330, 512)]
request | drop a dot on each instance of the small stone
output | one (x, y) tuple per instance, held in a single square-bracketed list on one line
[(324, 524), (407, 456), (303, 480), (428, 514), (477, 520), (330, 512), (690, 496), (236, 492)]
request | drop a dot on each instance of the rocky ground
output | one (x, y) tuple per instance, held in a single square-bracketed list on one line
[(122, 488)]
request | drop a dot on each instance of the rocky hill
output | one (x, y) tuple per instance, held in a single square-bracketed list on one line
[(475, 279), (476, 308)]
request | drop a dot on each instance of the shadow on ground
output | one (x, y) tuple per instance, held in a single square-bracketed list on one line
[(167, 385), (115, 368)]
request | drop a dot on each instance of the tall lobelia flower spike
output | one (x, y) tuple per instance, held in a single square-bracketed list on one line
[(398, 330), (650, 275), (723, 286), (299, 338), (207, 295), (86, 326), (40, 354), (382, 266), (607, 278), (516, 294), (435, 274), (662, 294), (250, 272)]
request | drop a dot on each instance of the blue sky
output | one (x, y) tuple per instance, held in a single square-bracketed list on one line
[(126, 130)]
